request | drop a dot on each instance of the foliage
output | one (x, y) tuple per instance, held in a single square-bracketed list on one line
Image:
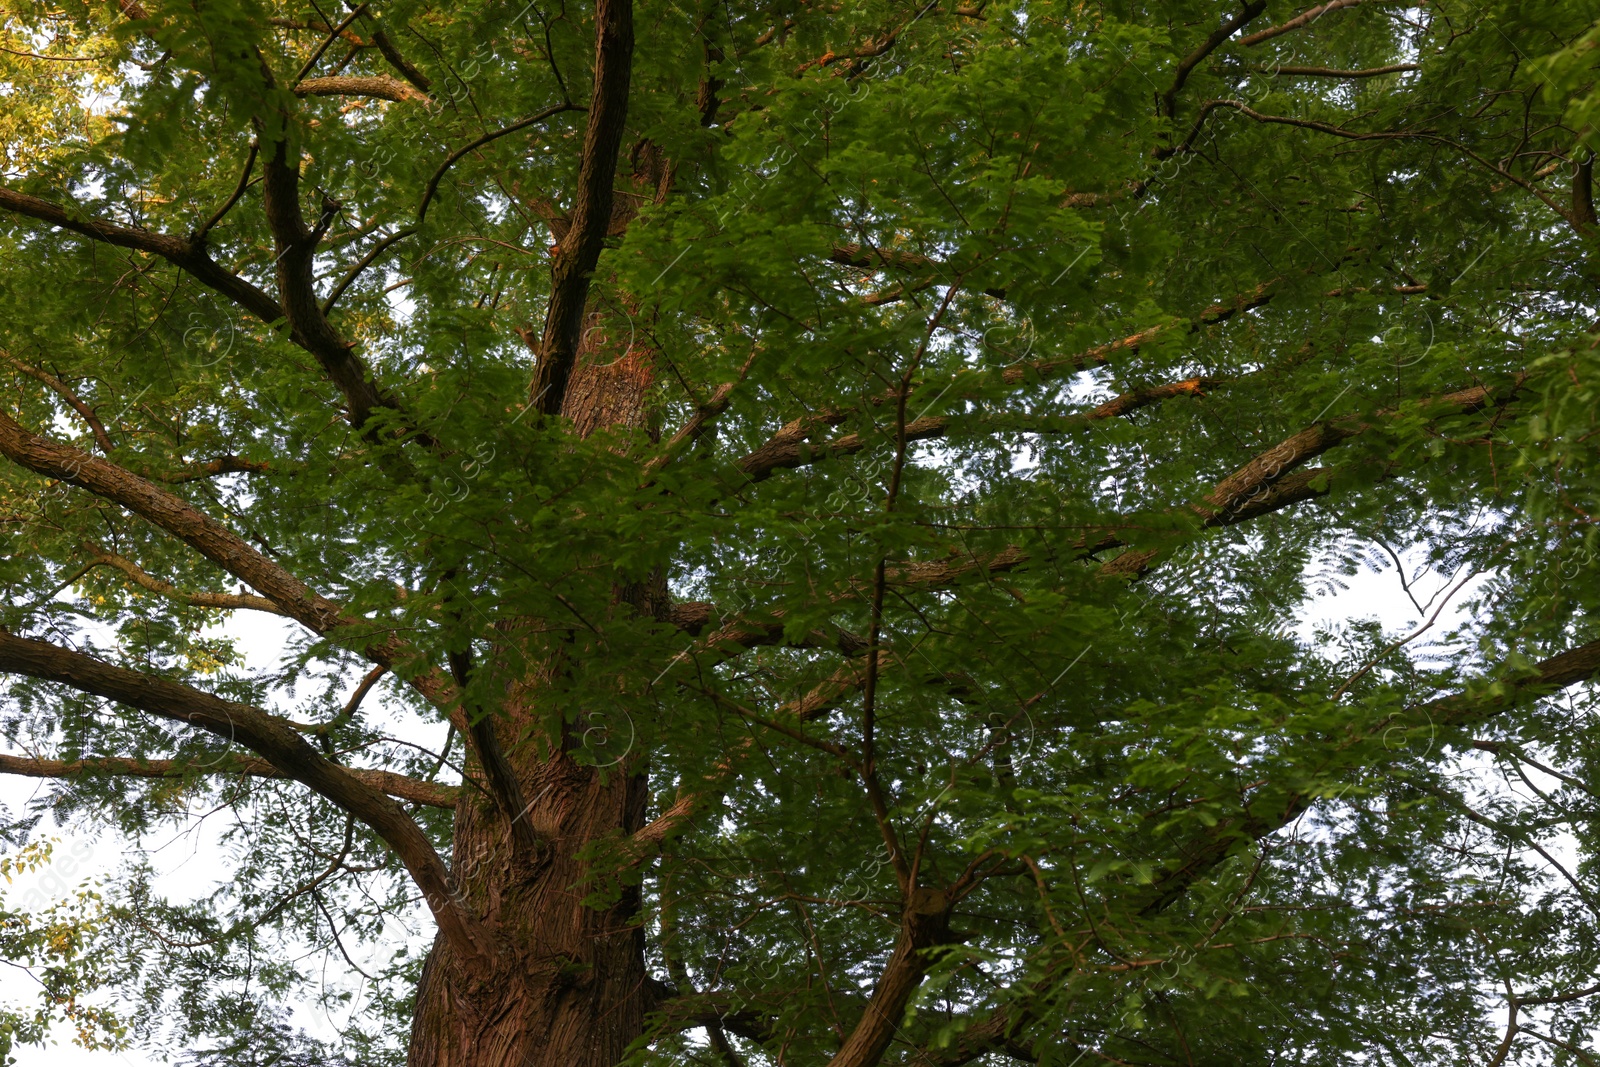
[(1044, 646), (56, 944)]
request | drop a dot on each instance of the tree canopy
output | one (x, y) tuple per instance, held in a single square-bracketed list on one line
[(798, 523)]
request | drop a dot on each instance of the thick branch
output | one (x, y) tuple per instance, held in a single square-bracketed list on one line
[(1305, 18), (408, 71), (747, 633), (227, 463), (1583, 190), (678, 1011), (924, 925), (993, 1033), (171, 513), (378, 87), (431, 794), (296, 247), (579, 251), (275, 741), (1331, 72), (1169, 99), (867, 257), (697, 425), (202, 533), (188, 255)]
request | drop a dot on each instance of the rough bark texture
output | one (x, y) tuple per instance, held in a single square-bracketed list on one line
[(569, 986)]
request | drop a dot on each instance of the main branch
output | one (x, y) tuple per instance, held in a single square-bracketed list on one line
[(275, 741), (579, 251), (205, 535), (431, 794)]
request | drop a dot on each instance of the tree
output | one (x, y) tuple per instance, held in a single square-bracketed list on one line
[(841, 488)]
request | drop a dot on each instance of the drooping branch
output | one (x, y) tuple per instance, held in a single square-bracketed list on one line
[(1258, 486), (275, 741), (693, 801), (1269, 482), (431, 794), (453, 158), (61, 389), (791, 448), (855, 60), (1566, 212), (188, 255), (308, 327), (1211, 106), (1215, 315), (784, 447), (578, 252), (333, 34)]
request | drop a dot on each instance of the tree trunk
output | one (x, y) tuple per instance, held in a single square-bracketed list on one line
[(568, 985)]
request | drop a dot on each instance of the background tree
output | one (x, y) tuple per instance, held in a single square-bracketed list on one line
[(839, 486)]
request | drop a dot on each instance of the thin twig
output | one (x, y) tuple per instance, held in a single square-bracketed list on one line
[(327, 41), (520, 124)]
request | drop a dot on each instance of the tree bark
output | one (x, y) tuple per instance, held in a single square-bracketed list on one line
[(568, 986)]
